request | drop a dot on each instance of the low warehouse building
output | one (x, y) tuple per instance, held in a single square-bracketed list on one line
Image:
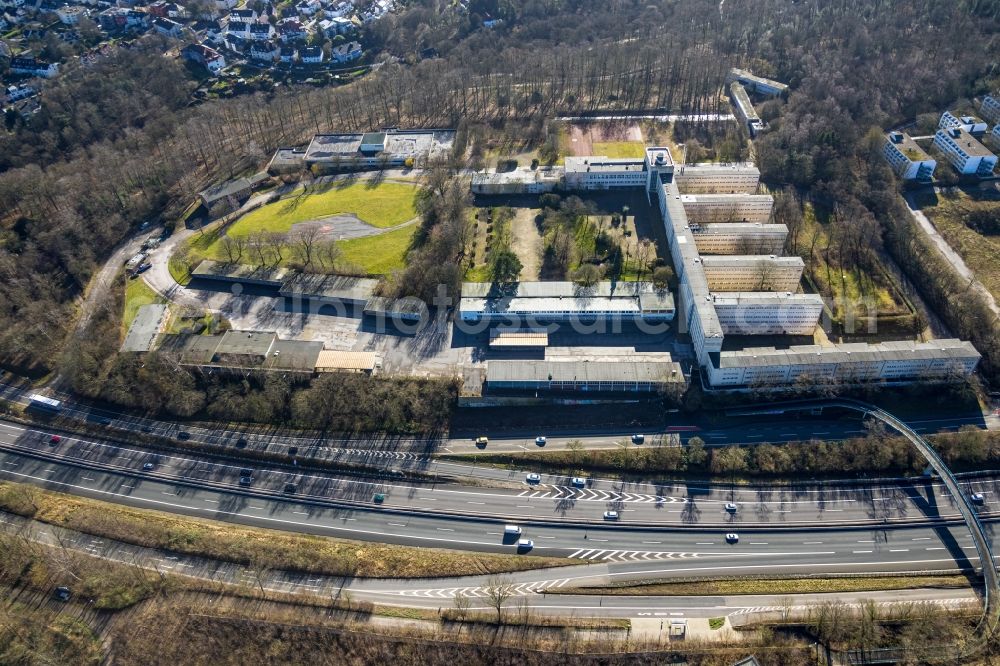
[(337, 290), (564, 301), (592, 376)]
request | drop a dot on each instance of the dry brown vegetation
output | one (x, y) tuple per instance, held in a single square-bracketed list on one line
[(242, 545), (770, 586)]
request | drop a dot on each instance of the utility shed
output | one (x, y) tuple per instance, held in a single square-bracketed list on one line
[(520, 338), (331, 360)]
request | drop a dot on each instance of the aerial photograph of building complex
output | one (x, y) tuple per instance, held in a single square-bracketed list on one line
[(493, 332)]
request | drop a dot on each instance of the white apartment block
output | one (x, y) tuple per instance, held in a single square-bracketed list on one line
[(708, 208), (757, 313), (891, 362), (907, 159), (604, 173), (970, 124), (965, 153), (990, 108), (739, 238), (752, 272), (995, 135), (706, 178), (744, 109)]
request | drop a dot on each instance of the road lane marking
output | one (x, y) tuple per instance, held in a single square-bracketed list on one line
[(212, 501), (445, 529), (862, 551), (899, 550), (811, 543)]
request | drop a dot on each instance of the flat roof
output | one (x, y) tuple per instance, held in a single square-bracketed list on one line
[(856, 353), (246, 343), (711, 168), (768, 298), (396, 306), (727, 198), (397, 143), (908, 147), (331, 360), (747, 228), (742, 100), (298, 355), (344, 287), (519, 337), (142, 332), (519, 175), (597, 163), (556, 289), (654, 153), (218, 269), (583, 371), (968, 143), (589, 305), (561, 296), (742, 260), (737, 73)]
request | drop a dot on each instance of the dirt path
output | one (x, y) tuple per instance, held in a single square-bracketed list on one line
[(527, 242)]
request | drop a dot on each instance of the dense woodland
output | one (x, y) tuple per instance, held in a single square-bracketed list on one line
[(117, 143)]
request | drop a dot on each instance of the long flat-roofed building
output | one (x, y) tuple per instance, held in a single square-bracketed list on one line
[(530, 302), (520, 181), (995, 136), (744, 109), (971, 124), (966, 154), (990, 108), (371, 150), (890, 362), (739, 238), (767, 313), (740, 178), (645, 376), (604, 173), (707, 208), (747, 272), (756, 84), (907, 159)]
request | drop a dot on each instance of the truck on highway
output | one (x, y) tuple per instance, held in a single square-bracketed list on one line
[(44, 403)]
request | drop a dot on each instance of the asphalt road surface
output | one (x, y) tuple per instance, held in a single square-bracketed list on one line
[(508, 497)]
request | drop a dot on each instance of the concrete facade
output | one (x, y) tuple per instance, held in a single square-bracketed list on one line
[(708, 208), (907, 159), (739, 238)]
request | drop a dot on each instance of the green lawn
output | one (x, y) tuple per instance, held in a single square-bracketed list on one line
[(137, 294), (386, 205), (617, 149), (380, 254)]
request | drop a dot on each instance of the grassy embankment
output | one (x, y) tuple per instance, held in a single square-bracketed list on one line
[(980, 252), (242, 545), (771, 586)]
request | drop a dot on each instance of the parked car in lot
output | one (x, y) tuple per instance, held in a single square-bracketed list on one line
[(54, 439), (533, 477), (62, 593), (246, 480), (183, 435), (638, 439), (525, 544), (977, 498), (731, 507), (148, 467), (578, 482), (378, 498), (290, 488), (610, 515), (732, 537), (540, 441)]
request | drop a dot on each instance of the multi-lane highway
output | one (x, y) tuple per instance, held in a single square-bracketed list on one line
[(508, 496)]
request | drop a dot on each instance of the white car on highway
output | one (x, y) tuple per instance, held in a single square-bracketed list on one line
[(533, 477), (525, 544), (578, 482), (540, 441), (731, 507), (610, 515), (732, 537)]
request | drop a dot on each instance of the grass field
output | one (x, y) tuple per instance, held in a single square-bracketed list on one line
[(137, 294), (617, 149), (379, 254), (383, 206), (981, 253)]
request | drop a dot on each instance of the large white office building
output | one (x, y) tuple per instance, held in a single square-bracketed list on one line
[(764, 313), (739, 178), (739, 238), (708, 208), (966, 154), (749, 272), (907, 159), (537, 303), (888, 362), (604, 173)]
